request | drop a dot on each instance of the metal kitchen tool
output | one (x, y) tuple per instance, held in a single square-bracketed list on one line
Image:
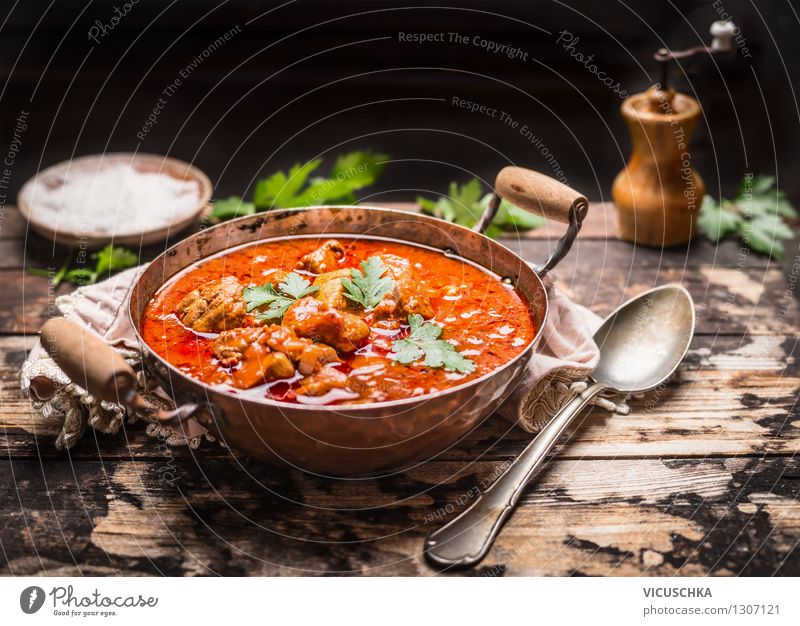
[(641, 345)]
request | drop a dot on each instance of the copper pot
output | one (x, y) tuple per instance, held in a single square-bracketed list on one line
[(332, 440)]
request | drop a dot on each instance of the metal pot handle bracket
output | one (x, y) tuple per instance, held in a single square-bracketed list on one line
[(94, 365), (544, 196)]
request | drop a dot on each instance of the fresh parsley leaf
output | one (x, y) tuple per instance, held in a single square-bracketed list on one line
[(57, 277), (362, 166), (292, 288), (755, 215), (297, 286), (423, 342), (461, 204), (368, 286), (265, 295), (763, 233), (758, 185), (111, 259), (281, 190), (81, 276), (511, 217), (107, 261), (717, 221), (350, 172), (231, 207), (465, 203)]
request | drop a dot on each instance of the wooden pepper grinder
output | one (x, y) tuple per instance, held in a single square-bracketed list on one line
[(658, 194)]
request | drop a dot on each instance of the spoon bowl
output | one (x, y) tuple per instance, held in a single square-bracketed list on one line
[(643, 341)]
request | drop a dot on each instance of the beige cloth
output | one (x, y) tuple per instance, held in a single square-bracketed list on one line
[(565, 355)]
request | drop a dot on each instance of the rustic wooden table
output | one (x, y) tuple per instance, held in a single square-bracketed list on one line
[(702, 479)]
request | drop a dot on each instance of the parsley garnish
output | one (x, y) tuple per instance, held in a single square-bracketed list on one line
[(107, 261), (463, 205), (754, 215), (423, 341), (277, 301), (282, 190), (369, 287)]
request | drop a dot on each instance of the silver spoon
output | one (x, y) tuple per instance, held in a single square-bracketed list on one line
[(641, 345)]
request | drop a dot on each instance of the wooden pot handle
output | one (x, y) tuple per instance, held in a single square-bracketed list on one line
[(88, 361), (540, 194)]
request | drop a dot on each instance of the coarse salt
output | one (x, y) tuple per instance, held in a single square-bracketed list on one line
[(115, 200)]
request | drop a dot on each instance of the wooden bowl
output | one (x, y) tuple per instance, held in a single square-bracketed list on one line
[(68, 233)]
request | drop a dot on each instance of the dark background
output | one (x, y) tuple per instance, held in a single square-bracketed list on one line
[(305, 80)]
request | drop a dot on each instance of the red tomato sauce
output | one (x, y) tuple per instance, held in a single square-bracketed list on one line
[(487, 321)]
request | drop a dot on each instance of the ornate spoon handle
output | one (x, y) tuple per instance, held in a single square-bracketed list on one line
[(465, 540)]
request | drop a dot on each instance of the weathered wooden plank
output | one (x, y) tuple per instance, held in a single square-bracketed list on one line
[(601, 517), (728, 301), (732, 396), (12, 225)]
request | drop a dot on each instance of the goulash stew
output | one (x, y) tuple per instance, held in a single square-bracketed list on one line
[(336, 321)]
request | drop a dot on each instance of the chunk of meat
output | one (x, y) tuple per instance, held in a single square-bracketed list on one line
[(331, 290), (283, 339), (250, 346), (322, 382), (323, 259), (406, 298), (230, 345), (276, 277), (259, 365), (217, 305), (310, 318), (309, 356), (315, 357)]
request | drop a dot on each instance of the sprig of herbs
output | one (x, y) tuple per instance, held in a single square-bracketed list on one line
[(109, 260), (350, 172), (755, 215), (423, 342), (368, 286), (464, 204), (292, 288)]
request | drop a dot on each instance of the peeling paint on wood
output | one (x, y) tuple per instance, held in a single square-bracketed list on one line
[(701, 478)]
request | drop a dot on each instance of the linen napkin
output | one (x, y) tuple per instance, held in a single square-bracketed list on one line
[(565, 355)]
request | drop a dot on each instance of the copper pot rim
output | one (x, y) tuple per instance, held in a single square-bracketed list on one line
[(210, 390)]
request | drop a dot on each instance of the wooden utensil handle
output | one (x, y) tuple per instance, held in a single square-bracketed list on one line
[(540, 194), (88, 360)]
